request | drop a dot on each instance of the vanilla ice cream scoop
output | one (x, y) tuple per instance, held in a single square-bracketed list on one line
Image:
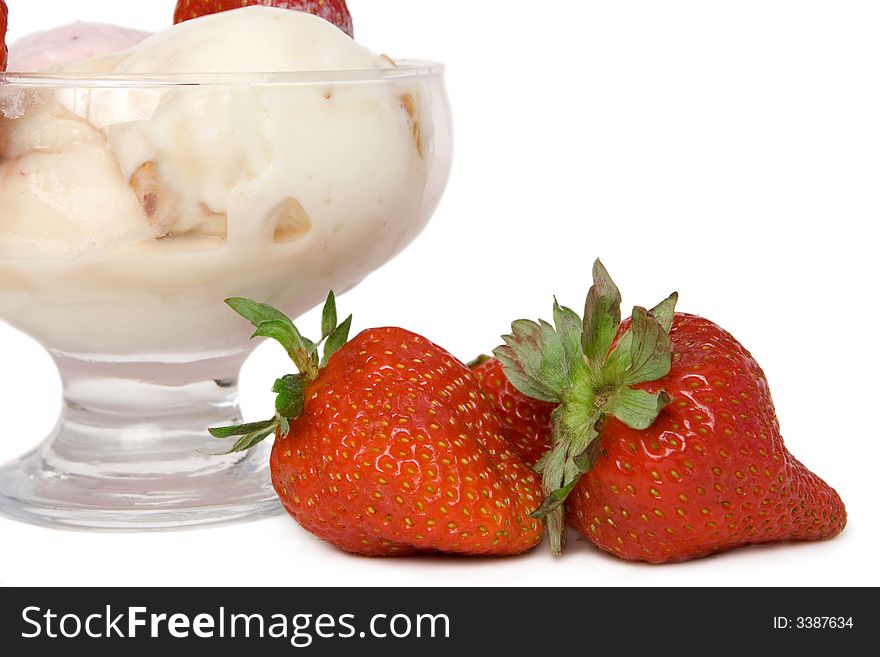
[(260, 156), (46, 50)]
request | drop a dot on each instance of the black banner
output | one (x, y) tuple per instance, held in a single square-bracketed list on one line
[(434, 621)]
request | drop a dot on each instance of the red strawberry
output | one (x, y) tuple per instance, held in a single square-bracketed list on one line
[(525, 422), (334, 11), (389, 447), (667, 445), (4, 20)]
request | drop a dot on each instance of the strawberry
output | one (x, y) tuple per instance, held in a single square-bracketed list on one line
[(666, 441), (4, 24), (525, 422), (334, 11), (387, 445)]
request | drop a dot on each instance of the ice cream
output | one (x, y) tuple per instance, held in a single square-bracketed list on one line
[(50, 49), (129, 211), (255, 142), (61, 190)]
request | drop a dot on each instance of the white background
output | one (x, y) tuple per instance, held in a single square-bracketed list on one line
[(727, 150)]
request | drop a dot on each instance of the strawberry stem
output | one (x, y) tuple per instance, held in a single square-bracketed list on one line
[(575, 363)]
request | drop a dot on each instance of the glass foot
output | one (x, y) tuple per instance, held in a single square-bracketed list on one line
[(34, 490), (129, 454)]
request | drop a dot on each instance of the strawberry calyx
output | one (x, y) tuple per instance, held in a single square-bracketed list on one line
[(576, 363), (289, 389), (479, 360)]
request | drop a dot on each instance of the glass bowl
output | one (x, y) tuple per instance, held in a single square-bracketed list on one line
[(130, 208)]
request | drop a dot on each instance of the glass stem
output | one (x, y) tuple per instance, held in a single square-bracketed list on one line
[(143, 415)]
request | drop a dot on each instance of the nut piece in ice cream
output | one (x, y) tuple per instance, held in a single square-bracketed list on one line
[(162, 208), (161, 205), (291, 221)]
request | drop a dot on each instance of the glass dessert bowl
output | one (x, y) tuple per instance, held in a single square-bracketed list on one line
[(132, 206)]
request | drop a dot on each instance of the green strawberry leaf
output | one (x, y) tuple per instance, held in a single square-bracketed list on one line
[(582, 450), (328, 317), (280, 332), (336, 339), (290, 401), (257, 313), (274, 324), (240, 430), (636, 408), (620, 359), (601, 315), (585, 461), (535, 359), (650, 354), (541, 464), (553, 501), (664, 312), (251, 439), (568, 327)]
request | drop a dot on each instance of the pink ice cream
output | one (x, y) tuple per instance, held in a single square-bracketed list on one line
[(45, 50)]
